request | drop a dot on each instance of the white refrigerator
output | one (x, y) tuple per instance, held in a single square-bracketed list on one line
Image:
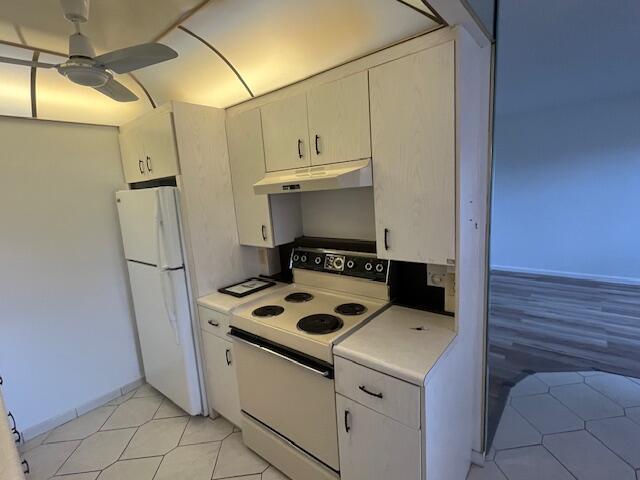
[(150, 225)]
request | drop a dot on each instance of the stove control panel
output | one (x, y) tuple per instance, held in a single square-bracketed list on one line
[(352, 264)]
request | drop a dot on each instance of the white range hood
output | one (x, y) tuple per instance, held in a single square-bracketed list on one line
[(352, 174)]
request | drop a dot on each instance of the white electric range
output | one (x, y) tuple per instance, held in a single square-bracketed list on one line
[(284, 357)]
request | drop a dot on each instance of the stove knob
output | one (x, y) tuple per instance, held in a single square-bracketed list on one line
[(368, 266), (338, 263), (350, 264), (318, 260), (379, 268), (296, 257), (303, 259)]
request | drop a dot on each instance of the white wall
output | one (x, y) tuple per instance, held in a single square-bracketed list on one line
[(67, 331), (347, 213), (567, 190)]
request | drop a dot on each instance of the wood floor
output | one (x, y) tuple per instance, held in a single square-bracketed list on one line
[(550, 324)]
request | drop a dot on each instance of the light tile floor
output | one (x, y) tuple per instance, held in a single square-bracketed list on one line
[(144, 436), (565, 426)]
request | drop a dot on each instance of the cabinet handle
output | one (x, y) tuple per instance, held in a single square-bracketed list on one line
[(25, 467), (226, 356), (141, 166), (149, 167), (299, 148), (1, 380), (264, 233), (364, 389), (317, 146), (14, 428), (212, 323), (347, 427), (386, 239), (13, 420)]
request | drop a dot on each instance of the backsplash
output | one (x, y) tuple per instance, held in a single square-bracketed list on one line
[(347, 213)]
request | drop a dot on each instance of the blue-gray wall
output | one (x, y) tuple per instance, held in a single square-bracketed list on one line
[(566, 196), (567, 190)]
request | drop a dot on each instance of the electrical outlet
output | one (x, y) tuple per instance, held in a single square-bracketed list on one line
[(436, 275)]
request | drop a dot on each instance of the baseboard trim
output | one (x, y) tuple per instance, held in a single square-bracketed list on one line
[(558, 273), (51, 423), (477, 458)]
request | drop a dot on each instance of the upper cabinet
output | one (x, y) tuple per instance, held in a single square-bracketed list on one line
[(286, 136), (339, 120), (414, 156), (328, 124), (148, 147), (263, 220)]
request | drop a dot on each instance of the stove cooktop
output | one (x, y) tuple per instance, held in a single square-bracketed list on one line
[(320, 323), (311, 323)]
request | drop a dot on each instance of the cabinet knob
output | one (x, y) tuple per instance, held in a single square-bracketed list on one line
[(347, 415), (300, 148), (212, 323), (317, 144), (25, 467), (386, 239), (264, 233), (149, 166), (226, 355), (141, 166)]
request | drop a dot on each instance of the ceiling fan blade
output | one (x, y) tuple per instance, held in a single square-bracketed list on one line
[(129, 59), (26, 63), (117, 91)]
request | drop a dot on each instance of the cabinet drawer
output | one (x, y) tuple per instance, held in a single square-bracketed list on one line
[(214, 322), (387, 395)]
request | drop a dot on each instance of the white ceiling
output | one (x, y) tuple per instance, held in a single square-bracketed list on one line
[(551, 53), (271, 43)]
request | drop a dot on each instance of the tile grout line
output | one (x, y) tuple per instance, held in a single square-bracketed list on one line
[(559, 461), (607, 447)]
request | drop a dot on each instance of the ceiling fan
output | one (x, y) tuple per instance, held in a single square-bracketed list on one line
[(84, 68)]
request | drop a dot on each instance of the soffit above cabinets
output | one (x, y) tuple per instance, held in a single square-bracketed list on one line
[(228, 50)]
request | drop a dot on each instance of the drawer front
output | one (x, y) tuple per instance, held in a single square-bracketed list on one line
[(384, 394), (214, 322)]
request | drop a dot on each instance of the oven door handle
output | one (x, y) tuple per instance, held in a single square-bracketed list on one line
[(322, 372)]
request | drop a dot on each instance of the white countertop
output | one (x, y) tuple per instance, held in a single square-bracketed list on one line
[(390, 344), (225, 303)]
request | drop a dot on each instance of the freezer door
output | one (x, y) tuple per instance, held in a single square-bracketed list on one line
[(166, 338), (150, 226)]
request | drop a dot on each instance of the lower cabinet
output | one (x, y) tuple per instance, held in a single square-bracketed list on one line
[(375, 447), (222, 386)]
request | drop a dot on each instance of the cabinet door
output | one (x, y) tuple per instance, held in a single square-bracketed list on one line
[(246, 158), (222, 385), (286, 136), (132, 156), (160, 153), (339, 120), (413, 139), (375, 447)]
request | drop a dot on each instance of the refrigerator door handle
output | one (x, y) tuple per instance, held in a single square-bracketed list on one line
[(168, 295), (169, 301)]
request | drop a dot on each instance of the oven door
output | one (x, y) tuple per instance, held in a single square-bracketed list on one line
[(291, 393)]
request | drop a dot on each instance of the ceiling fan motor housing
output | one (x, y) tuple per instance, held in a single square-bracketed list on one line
[(80, 46), (84, 73)]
